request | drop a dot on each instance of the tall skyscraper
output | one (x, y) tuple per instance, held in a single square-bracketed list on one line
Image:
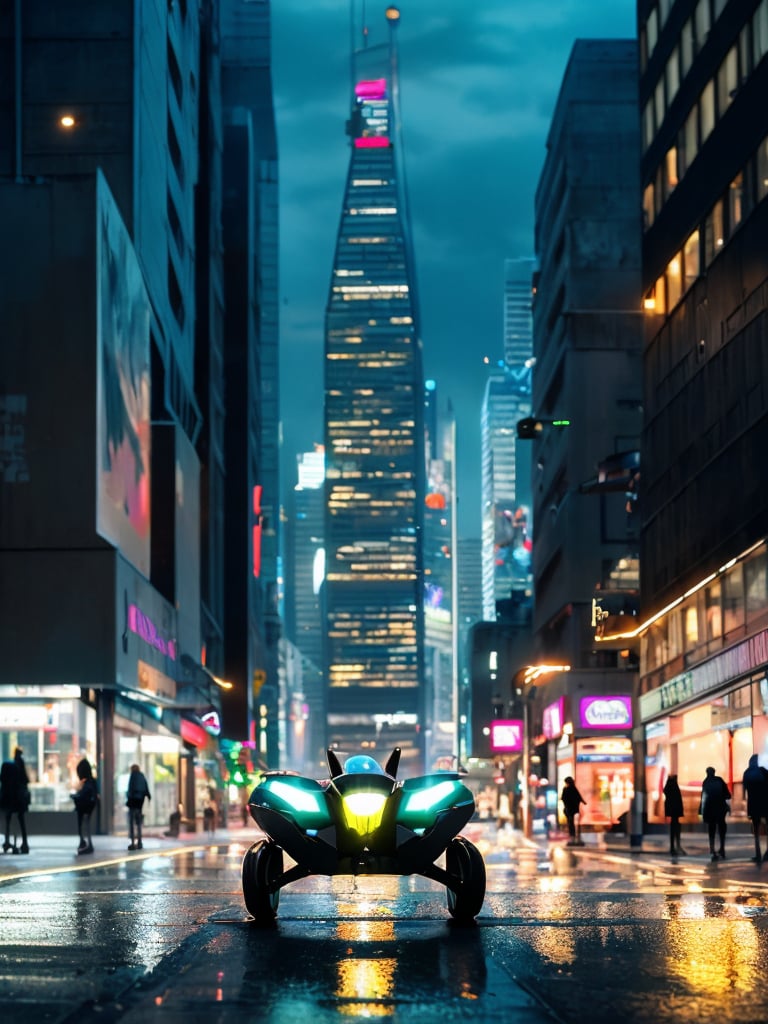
[(374, 437)]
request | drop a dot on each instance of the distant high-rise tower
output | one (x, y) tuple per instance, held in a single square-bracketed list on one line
[(506, 484), (374, 438)]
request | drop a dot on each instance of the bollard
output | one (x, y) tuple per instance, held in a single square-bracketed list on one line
[(636, 820)]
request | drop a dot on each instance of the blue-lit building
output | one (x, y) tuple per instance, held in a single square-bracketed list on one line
[(374, 441)]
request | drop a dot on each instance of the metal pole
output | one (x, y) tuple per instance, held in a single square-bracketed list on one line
[(527, 823)]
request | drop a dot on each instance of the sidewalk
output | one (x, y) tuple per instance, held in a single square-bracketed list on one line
[(653, 853), (56, 853)]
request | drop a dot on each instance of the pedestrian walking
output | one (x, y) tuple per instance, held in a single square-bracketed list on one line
[(503, 812), (138, 792), (713, 808), (755, 780), (86, 797), (572, 800), (14, 799), (673, 809)]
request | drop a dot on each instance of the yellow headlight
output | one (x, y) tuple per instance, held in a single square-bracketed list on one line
[(363, 811)]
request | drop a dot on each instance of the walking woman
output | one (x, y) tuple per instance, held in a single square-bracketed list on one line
[(86, 797), (673, 809)]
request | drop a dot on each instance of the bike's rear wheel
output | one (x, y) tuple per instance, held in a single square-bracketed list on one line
[(262, 865), (464, 862)]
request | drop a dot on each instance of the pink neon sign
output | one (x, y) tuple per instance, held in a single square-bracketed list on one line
[(552, 718), (372, 89), (372, 142), (144, 627), (507, 734)]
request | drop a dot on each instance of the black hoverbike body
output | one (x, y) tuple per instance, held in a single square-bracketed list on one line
[(362, 821)]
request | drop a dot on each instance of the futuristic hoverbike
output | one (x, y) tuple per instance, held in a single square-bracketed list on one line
[(362, 821)]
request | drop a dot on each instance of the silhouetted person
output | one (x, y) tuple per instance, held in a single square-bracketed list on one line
[(673, 809), (137, 793), (713, 809), (572, 800), (14, 798), (86, 796), (755, 780)]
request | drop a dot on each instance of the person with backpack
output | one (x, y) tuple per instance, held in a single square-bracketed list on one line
[(86, 797), (713, 808), (14, 799), (138, 792)]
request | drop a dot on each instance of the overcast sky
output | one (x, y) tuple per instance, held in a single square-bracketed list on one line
[(478, 83)]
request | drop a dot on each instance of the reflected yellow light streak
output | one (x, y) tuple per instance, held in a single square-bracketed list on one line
[(364, 984), (716, 959)]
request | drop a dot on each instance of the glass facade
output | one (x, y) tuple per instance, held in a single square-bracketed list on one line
[(374, 444)]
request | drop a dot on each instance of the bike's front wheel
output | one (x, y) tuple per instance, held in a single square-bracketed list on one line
[(465, 863), (262, 865)]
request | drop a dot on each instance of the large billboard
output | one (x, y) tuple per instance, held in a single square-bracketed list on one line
[(123, 388)]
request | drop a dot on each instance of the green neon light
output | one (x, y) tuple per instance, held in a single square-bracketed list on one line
[(424, 799), (299, 799)]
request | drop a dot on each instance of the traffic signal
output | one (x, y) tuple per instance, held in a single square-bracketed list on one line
[(530, 428)]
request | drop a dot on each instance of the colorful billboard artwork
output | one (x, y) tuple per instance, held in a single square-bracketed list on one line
[(605, 712), (507, 735), (123, 389)]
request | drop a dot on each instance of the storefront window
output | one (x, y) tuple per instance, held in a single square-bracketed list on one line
[(603, 776), (54, 735), (158, 757)]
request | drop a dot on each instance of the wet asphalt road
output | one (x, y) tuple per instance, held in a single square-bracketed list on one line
[(165, 937)]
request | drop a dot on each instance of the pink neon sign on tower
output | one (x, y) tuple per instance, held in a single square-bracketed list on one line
[(372, 89)]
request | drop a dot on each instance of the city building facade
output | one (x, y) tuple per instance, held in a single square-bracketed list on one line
[(251, 709), (703, 499), (111, 184), (587, 391)]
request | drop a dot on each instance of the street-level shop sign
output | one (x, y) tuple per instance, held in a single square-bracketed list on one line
[(611, 712), (738, 661)]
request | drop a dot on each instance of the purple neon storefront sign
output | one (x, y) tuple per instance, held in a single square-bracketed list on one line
[(605, 712)]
